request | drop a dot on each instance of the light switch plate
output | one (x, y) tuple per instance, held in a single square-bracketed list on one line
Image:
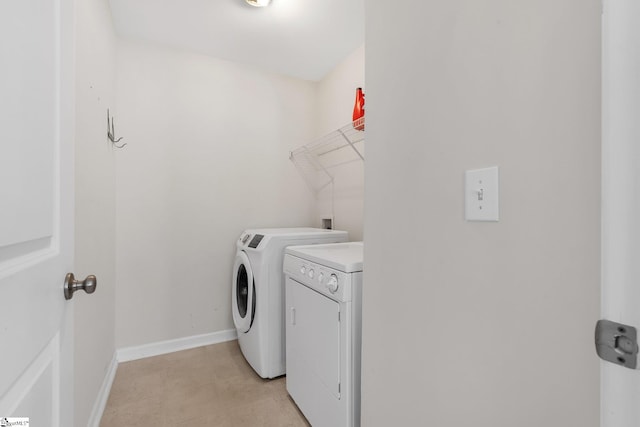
[(481, 194)]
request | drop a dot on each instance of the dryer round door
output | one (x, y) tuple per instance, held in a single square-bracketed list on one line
[(243, 293)]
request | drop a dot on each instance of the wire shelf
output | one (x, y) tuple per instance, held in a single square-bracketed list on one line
[(316, 159)]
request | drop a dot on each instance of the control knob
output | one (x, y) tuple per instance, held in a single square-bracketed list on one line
[(303, 269), (311, 272), (332, 284)]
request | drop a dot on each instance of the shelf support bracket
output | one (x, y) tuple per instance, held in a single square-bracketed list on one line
[(350, 143)]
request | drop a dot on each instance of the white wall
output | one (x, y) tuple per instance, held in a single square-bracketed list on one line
[(95, 202), (207, 157), (337, 93), (335, 100), (467, 323)]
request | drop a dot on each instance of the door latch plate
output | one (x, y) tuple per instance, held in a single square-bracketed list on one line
[(617, 343)]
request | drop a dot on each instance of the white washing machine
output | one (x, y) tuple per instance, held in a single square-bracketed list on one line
[(258, 292), (324, 331)]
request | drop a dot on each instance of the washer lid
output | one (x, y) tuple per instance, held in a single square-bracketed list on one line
[(345, 257)]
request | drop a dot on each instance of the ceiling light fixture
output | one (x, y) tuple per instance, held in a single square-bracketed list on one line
[(258, 3)]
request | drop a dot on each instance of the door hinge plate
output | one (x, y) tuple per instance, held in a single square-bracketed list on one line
[(617, 343)]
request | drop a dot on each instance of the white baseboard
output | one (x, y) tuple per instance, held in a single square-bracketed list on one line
[(163, 347), (103, 394)]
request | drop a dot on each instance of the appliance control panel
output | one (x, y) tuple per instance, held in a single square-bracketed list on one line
[(326, 280), (253, 243), (256, 241)]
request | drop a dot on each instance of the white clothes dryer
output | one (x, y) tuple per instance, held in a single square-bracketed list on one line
[(258, 292), (324, 331)]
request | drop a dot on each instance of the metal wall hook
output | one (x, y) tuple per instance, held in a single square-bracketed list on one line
[(111, 132)]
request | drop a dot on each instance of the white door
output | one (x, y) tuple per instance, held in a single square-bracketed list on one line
[(36, 210), (313, 354), (621, 199)]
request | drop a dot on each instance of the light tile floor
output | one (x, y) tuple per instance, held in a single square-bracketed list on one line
[(204, 386)]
